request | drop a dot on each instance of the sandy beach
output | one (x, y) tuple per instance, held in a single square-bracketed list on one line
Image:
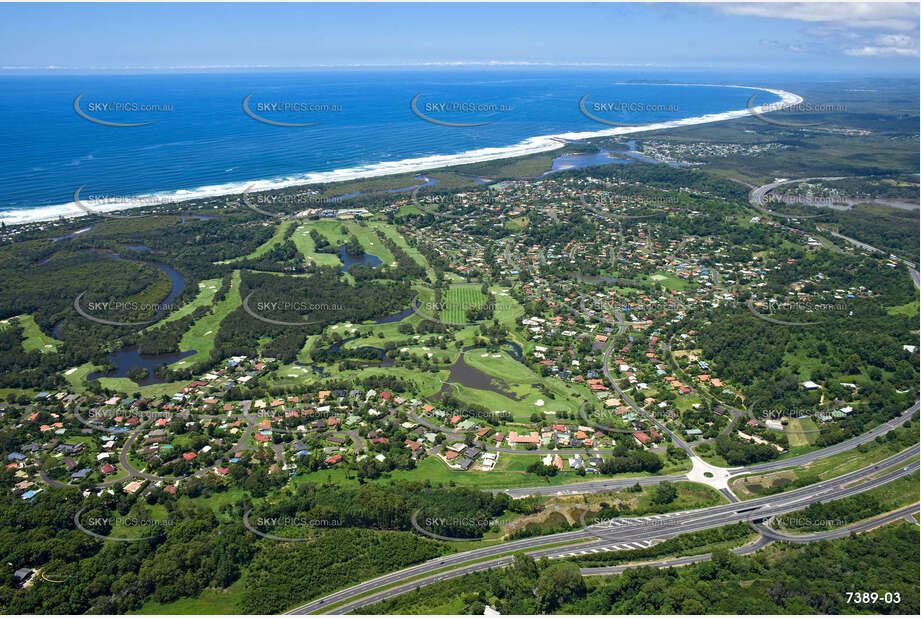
[(530, 146)]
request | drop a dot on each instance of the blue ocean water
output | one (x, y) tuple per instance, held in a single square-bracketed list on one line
[(200, 141)]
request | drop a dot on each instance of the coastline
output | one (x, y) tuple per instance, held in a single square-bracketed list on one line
[(529, 146)]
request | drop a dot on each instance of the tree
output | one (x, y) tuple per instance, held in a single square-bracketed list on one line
[(665, 493), (558, 583)]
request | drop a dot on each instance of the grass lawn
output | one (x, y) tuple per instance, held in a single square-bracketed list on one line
[(388, 230), (531, 401), (32, 336), (510, 471), (458, 299), (200, 336), (304, 243), (667, 280), (753, 486), (371, 242), (500, 365), (507, 309), (76, 378), (910, 309), (206, 291), (802, 432), (334, 231)]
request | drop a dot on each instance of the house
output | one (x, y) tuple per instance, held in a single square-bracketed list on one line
[(107, 469), (464, 464), (809, 385), (331, 461), (472, 452), (133, 486), (23, 576), (514, 438), (642, 438)]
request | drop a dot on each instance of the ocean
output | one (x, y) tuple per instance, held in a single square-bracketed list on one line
[(195, 138)]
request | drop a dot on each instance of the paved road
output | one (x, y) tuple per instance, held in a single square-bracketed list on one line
[(768, 536), (605, 365), (630, 530), (756, 197)]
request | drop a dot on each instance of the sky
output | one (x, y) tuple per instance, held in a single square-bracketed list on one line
[(870, 39)]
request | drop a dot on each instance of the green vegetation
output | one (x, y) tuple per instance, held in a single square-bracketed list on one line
[(839, 513), (752, 486), (780, 579)]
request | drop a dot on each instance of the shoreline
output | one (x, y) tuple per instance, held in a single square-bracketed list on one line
[(530, 146)]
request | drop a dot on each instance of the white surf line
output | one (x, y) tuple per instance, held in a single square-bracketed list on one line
[(531, 145)]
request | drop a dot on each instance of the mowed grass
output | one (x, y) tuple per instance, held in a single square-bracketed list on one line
[(32, 336), (667, 280), (522, 409), (304, 243), (200, 336), (802, 432), (500, 365), (458, 299), (206, 291), (371, 242), (334, 231), (388, 230)]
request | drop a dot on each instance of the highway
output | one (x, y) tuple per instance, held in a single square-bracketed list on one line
[(768, 536), (631, 530)]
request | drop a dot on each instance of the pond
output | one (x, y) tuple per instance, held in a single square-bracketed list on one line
[(350, 260), (127, 359)]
